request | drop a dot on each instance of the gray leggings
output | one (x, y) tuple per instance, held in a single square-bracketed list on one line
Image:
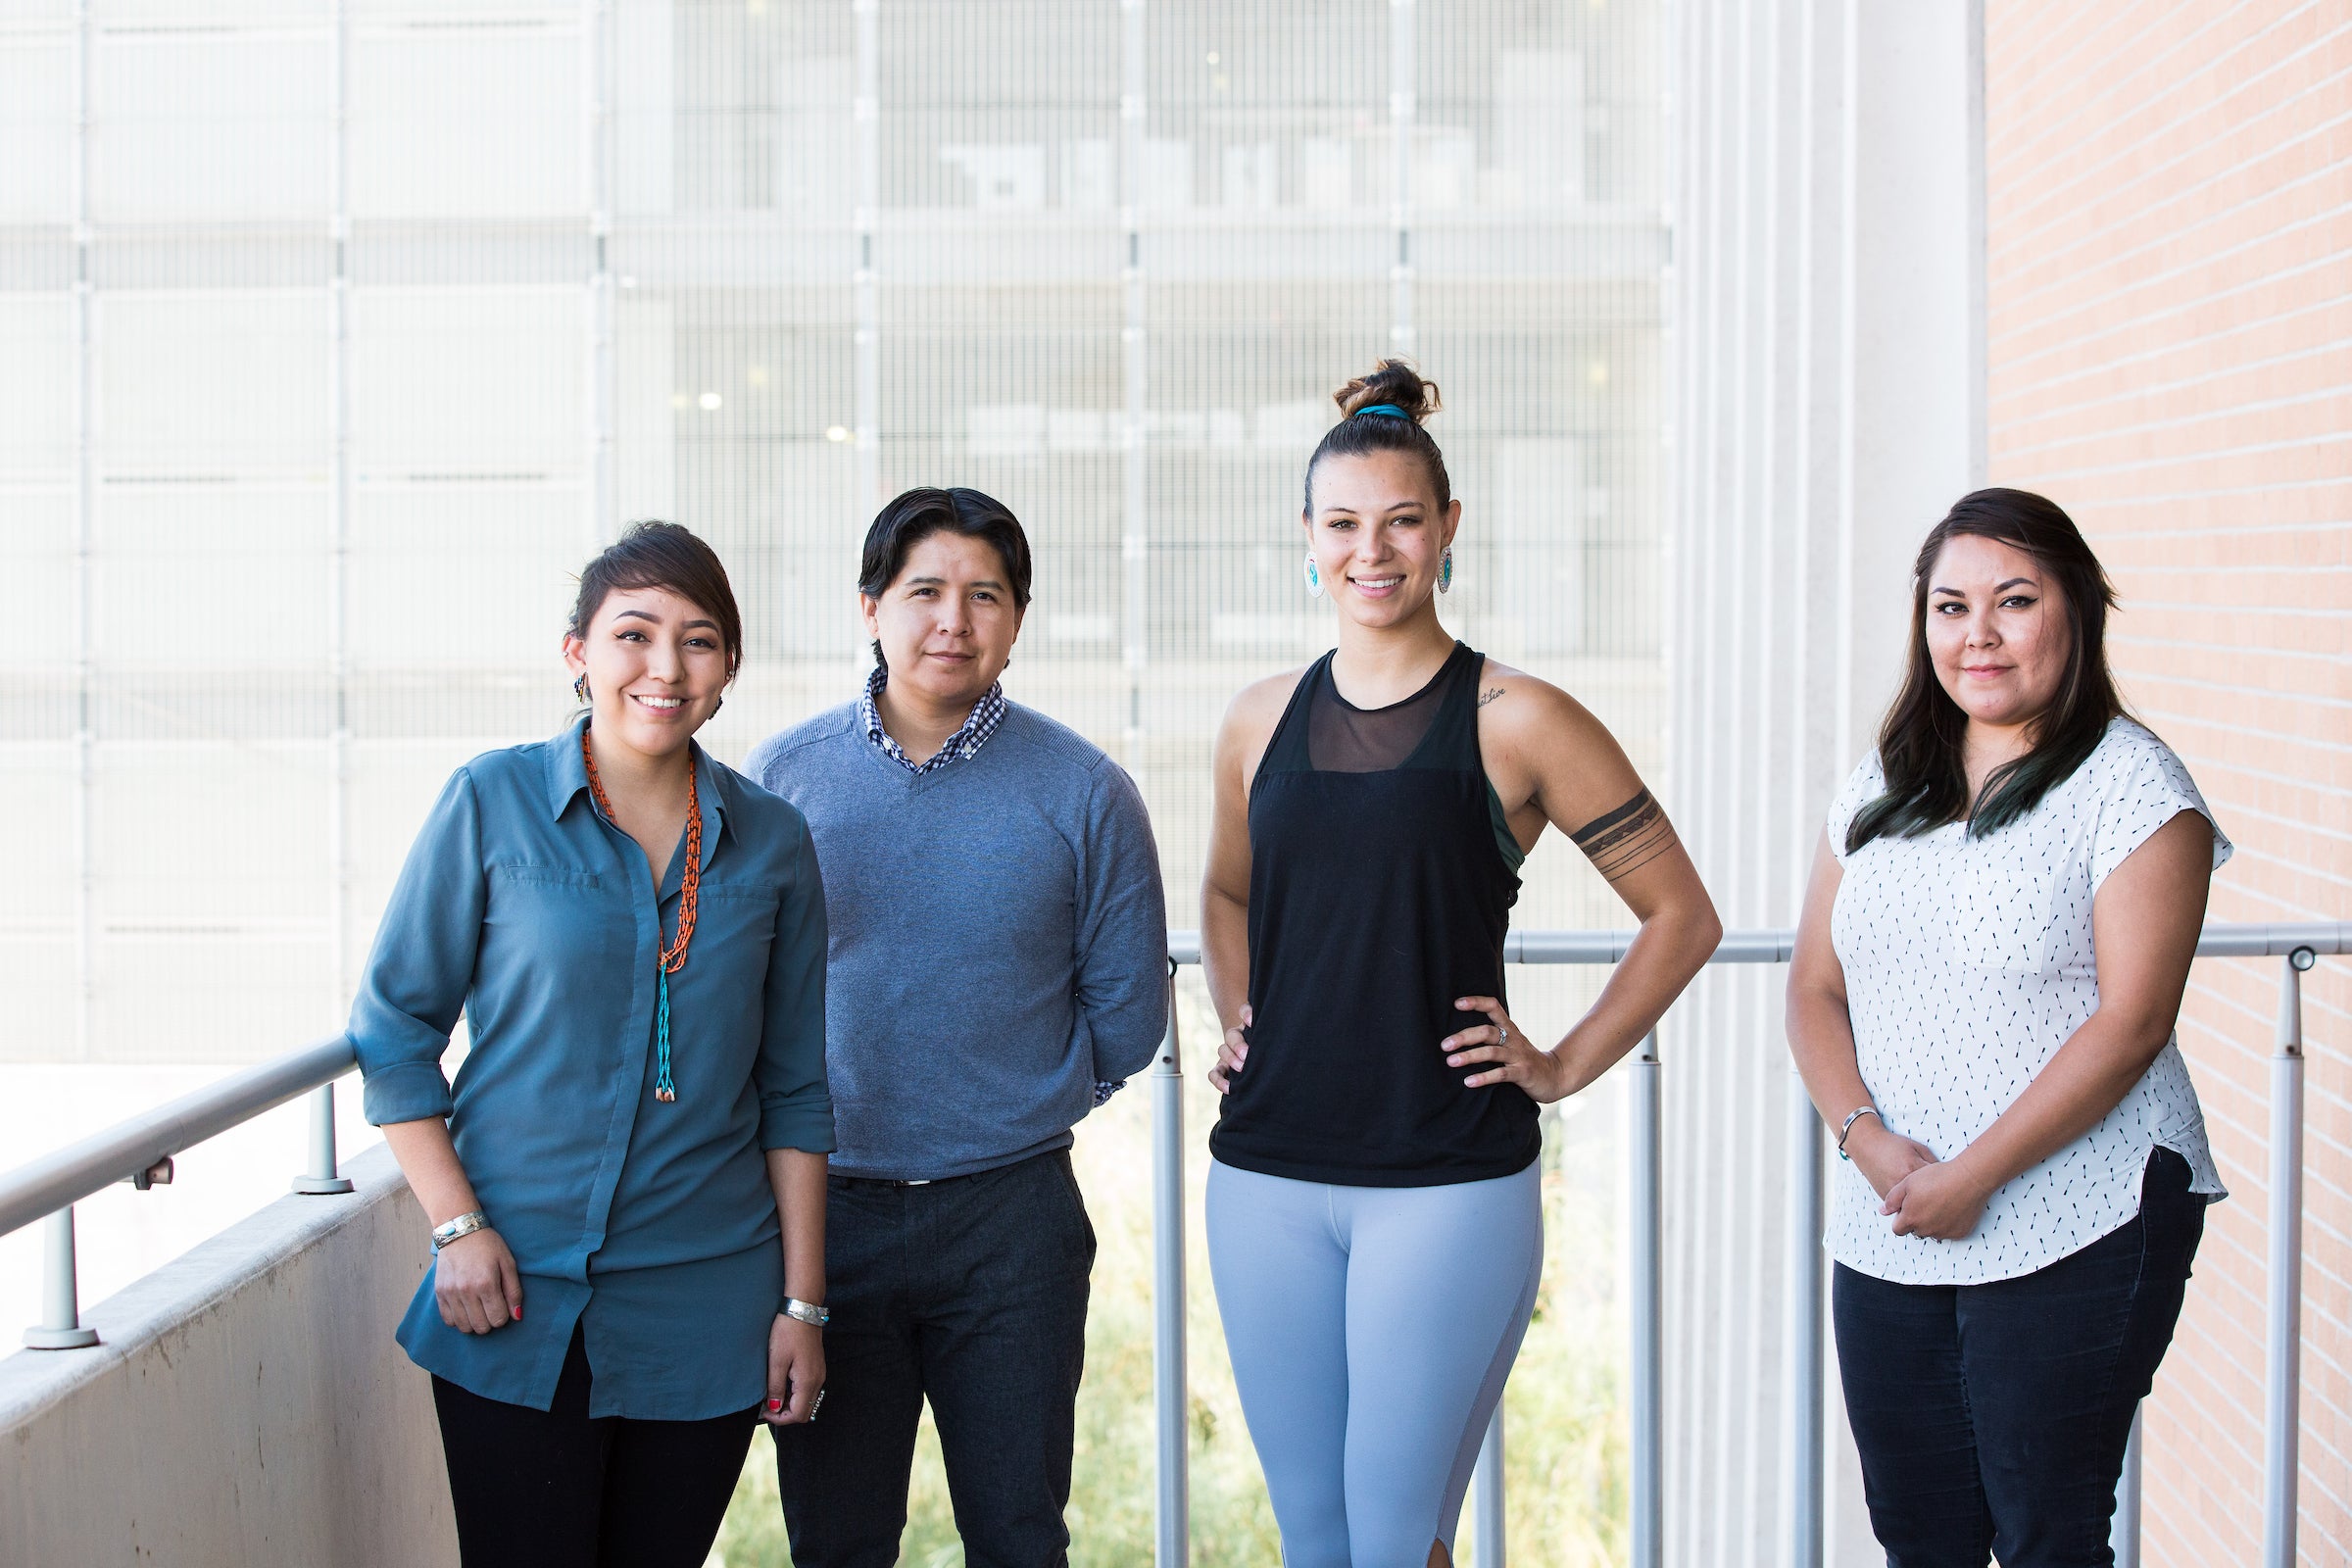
[(1371, 1330)]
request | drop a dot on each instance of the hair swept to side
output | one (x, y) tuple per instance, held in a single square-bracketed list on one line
[(1920, 740), (1400, 386), (667, 556), (910, 517)]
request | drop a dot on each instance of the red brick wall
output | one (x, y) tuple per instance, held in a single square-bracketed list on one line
[(2168, 216)]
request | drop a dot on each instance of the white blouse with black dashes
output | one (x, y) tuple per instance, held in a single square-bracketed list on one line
[(1967, 964)]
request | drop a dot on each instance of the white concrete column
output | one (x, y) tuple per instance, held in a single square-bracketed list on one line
[(86, 523), (1824, 314), (340, 963), (597, 137), (1917, 399), (865, 281), (1404, 100), (1135, 364)]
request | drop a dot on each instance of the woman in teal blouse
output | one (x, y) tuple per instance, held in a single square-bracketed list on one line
[(627, 1179)]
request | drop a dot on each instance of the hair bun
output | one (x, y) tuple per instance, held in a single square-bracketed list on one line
[(1395, 383)]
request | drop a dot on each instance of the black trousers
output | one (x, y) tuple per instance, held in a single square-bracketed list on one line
[(971, 1293), (1991, 1419), (561, 1488)]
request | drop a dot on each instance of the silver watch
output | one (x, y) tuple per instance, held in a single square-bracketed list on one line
[(808, 1312)]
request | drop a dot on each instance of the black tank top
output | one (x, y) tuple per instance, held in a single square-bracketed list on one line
[(1376, 895)]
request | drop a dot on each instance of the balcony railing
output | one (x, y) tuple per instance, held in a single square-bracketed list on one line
[(141, 1151)]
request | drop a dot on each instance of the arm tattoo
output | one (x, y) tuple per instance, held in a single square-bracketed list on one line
[(1488, 695), (1626, 839)]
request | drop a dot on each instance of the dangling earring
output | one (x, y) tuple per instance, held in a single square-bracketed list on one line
[(1445, 570), (579, 687), (1314, 579)]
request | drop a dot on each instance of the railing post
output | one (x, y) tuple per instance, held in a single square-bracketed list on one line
[(322, 1176), (2123, 1536), (1170, 1394), (1808, 1362), (1648, 1309), (2281, 1413), (61, 1318), (1486, 1495)]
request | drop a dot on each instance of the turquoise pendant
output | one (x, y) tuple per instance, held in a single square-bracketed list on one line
[(664, 1089)]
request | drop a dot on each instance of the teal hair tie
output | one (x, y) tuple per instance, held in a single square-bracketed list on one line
[(1389, 408)]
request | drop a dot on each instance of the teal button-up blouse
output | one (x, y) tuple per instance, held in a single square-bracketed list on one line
[(650, 1226)]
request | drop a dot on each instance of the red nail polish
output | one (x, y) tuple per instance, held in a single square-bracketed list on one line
[(775, 1406)]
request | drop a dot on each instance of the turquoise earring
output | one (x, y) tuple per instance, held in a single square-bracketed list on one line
[(1445, 570), (1314, 579)]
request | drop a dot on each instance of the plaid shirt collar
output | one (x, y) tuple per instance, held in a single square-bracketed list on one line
[(987, 713)]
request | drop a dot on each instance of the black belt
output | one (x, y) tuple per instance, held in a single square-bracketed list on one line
[(882, 1182), (890, 1183)]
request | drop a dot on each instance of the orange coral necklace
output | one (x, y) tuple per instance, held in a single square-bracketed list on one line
[(671, 958)]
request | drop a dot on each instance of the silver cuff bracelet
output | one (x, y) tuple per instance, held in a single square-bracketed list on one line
[(1846, 1131), (464, 1225)]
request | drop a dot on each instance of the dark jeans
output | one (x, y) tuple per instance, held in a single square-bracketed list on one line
[(971, 1293), (561, 1489), (1991, 1418)]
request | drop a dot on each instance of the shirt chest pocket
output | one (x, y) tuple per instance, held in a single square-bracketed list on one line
[(2007, 889), (541, 910), (738, 919)]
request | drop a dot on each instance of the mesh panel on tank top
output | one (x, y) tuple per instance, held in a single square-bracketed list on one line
[(1342, 738), (1355, 960)]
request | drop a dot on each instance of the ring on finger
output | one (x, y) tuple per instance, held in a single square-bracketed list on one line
[(1505, 1038)]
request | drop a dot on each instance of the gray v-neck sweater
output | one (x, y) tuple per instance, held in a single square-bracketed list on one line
[(997, 939)]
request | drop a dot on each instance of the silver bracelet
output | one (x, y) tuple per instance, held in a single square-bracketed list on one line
[(464, 1225), (808, 1312), (1846, 1131)]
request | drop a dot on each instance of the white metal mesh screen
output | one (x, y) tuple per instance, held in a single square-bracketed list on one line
[(334, 336)]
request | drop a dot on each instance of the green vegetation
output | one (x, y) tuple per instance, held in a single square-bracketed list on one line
[(1565, 1448)]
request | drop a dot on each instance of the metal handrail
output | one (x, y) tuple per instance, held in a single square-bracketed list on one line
[(41, 1187), (135, 1148), (1807, 1298), (141, 1151)]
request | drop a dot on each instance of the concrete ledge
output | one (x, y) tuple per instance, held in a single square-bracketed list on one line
[(245, 1405)]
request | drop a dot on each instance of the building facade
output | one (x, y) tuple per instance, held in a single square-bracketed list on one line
[(2098, 253), (335, 334), (2168, 343)]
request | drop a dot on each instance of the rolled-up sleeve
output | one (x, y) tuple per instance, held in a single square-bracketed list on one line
[(796, 1109), (422, 963), (1122, 956)]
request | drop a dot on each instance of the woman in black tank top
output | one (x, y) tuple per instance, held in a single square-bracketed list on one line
[(1374, 1226), (1369, 951)]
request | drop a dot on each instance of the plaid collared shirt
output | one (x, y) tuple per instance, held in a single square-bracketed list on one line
[(987, 713)]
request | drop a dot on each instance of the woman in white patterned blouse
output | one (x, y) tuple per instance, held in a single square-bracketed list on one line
[(1995, 943)]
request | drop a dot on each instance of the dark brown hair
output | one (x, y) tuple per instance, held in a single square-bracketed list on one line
[(1919, 742), (667, 556), (1396, 385)]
